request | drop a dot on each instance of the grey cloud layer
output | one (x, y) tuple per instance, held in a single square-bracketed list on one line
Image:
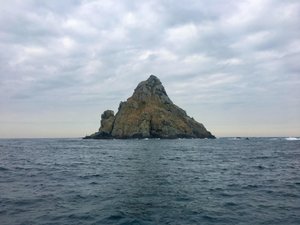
[(221, 54)]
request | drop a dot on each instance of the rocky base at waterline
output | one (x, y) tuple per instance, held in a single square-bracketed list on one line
[(149, 113)]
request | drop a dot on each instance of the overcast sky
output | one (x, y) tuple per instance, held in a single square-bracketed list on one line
[(232, 65)]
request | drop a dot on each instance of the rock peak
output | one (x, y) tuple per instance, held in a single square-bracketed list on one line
[(151, 89), (149, 113), (152, 80)]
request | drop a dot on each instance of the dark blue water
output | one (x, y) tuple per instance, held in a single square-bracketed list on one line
[(222, 181)]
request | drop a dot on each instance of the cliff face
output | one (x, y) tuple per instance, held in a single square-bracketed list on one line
[(149, 113)]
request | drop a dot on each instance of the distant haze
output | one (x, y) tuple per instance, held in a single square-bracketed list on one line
[(232, 65)]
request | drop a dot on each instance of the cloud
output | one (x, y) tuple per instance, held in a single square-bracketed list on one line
[(221, 55)]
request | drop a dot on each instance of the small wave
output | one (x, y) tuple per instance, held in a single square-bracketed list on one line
[(260, 167), (251, 186), (229, 204), (224, 194), (292, 139), (238, 138), (83, 216), (234, 139), (93, 183), (216, 189), (291, 195), (116, 216), (183, 199), (233, 185), (27, 201), (3, 168), (209, 218)]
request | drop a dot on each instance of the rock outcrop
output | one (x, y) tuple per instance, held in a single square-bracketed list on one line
[(149, 113)]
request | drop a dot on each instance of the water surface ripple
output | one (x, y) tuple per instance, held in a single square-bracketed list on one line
[(222, 181)]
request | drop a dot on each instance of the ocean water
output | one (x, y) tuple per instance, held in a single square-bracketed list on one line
[(221, 181)]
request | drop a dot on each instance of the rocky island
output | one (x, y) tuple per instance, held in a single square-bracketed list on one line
[(149, 113)]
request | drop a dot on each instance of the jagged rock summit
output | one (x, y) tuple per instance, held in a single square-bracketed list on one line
[(149, 113)]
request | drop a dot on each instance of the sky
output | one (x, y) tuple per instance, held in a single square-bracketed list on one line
[(232, 65)]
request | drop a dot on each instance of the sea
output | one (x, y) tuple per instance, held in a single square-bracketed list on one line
[(150, 181)]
